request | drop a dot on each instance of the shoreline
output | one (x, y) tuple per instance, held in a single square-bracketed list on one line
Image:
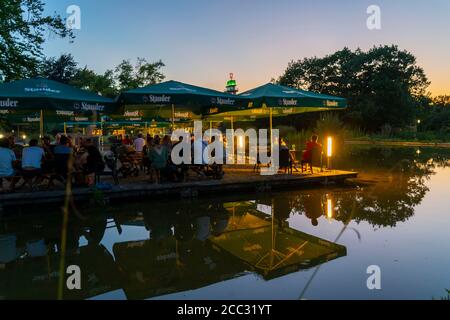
[(242, 181), (399, 143)]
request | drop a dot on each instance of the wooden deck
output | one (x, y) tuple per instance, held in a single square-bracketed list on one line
[(235, 181)]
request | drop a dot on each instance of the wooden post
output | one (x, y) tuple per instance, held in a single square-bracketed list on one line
[(41, 124), (173, 117), (271, 127)]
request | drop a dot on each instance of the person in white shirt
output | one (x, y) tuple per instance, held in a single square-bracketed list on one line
[(139, 143), (7, 158), (32, 157)]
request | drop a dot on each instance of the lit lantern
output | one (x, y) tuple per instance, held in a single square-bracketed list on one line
[(329, 151), (329, 147), (24, 137), (1, 136)]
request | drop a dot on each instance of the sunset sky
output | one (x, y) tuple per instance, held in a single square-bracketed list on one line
[(202, 41)]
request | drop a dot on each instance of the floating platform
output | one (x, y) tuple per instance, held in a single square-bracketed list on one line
[(235, 181)]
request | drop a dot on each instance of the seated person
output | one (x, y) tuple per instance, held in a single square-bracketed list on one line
[(32, 157), (285, 157), (308, 153), (127, 141), (94, 161), (88, 163), (7, 159), (159, 156), (48, 147), (62, 154)]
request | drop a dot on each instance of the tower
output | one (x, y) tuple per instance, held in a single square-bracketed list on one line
[(231, 85)]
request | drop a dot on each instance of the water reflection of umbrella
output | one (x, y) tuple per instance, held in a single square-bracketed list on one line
[(272, 250), (153, 268)]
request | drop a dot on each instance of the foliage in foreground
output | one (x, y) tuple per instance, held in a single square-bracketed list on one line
[(23, 29)]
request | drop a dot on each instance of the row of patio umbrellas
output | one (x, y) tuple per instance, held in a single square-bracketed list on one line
[(167, 100)]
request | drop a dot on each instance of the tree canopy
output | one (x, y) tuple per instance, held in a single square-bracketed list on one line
[(23, 27), (142, 74), (383, 85), (124, 77)]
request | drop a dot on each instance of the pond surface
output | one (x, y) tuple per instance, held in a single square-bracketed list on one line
[(297, 244)]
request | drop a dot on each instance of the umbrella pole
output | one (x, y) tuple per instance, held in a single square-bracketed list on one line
[(41, 124), (65, 128), (210, 130), (173, 117), (271, 126), (232, 135), (101, 134)]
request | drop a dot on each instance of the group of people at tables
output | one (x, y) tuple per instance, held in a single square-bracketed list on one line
[(153, 153), (44, 160)]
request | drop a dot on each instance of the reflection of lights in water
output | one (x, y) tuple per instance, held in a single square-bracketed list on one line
[(240, 142), (329, 146), (329, 208)]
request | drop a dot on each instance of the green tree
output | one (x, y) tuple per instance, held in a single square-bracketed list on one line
[(142, 74), (62, 69), (383, 85), (103, 84), (23, 27)]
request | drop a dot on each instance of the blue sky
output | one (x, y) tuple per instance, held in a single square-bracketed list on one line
[(202, 41)]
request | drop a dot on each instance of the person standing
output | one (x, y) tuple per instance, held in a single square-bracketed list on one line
[(139, 143)]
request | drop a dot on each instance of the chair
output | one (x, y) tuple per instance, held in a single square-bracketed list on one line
[(61, 169), (285, 160), (316, 160), (111, 163)]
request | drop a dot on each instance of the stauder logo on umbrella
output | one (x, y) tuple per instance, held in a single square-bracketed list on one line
[(92, 107), (331, 103), (42, 89), (9, 103), (156, 99), (288, 102), (222, 101)]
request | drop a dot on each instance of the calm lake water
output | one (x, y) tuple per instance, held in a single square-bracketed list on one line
[(299, 244)]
